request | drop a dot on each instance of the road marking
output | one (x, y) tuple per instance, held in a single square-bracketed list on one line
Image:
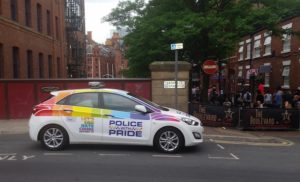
[(9, 154), (167, 156), (254, 141), (27, 157), (58, 154), (233, 157), (15, 157), (220, 146), (119, 155)]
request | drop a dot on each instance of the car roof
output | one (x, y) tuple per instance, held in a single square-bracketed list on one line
[(72, 91)]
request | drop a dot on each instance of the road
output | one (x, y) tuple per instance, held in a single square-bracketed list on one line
[(24, 160)]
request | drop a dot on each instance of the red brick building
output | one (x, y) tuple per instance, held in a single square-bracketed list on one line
[(32, 39), (100, 60), (275, 60), (105, 61), (117, 44)]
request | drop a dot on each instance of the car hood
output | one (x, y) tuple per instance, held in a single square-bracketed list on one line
[(178, 114)]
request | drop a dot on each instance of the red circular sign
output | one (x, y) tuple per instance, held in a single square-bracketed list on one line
[(209, 67)]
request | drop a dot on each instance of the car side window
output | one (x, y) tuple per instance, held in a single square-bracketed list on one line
[(82, 100), (118, 102)]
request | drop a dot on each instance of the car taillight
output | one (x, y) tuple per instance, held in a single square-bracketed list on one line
[(38, 108)]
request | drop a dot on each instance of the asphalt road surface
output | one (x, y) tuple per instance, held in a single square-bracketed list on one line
[(213, 161)]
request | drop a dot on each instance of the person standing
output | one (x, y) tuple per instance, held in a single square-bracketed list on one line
[(247, 97), (268, 99), (278, 98)]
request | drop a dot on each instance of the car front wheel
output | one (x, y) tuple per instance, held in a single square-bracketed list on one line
[(169, 140), (54, 138)]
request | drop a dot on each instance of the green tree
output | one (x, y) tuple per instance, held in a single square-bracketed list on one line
[(209, 29)]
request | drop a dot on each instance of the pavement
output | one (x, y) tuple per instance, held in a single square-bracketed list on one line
[(20, 126), (14, 126)]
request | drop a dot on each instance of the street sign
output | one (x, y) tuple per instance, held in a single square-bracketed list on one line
[(176, 46), (209, 67), (171, 84)]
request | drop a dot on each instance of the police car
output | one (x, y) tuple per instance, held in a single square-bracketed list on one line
[(111, 116)]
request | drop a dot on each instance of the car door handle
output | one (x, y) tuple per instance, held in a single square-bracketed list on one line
[(108, 115), (68, 110)]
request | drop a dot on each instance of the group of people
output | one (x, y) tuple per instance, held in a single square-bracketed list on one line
[(261, 99)]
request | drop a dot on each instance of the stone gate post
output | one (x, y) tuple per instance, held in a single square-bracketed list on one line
[(163, 84)]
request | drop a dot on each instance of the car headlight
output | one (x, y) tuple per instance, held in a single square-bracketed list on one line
[(190, 121)]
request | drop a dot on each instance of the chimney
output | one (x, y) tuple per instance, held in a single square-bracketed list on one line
[(90, 35)]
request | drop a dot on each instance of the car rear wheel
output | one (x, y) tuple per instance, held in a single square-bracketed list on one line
[(54, 138), (169, 140)]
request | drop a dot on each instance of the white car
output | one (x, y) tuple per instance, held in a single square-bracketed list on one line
[(110, 116)]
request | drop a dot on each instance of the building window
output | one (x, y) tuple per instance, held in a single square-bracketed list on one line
[(1, 61), (41, 65), (241, 51), (50, 66), (286, 38), (248, 49), (58, 67), (39, 17), (256, 51), (267, 80), (267, 45), (29, 64), (57, 28), (16, 62), (28, 13), (0, 7), (14, 9), (286, 76), (48, 23)]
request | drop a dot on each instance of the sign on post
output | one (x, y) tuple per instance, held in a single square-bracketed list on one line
[(176, 46), (210, 67)]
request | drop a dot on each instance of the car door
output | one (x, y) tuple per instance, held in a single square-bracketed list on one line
[(121, 122), (81, 115)]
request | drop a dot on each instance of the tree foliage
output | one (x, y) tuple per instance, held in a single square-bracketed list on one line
[(208, 28)]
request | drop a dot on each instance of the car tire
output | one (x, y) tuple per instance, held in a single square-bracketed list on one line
[(169, 140), (54, 138)]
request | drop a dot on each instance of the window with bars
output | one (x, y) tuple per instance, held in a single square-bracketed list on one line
[(28, 13), (57, 28), (49, 23), (41, 65), (29, 64), (16, 62), (50, 66), (39, 17), (14, 9), (58, 67)]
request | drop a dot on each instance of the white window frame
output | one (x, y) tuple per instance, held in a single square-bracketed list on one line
[(286, 69), (286, 38), (267, 44), (240, 72), (241, 51), (256, 50), (267, 77), (248, 44)]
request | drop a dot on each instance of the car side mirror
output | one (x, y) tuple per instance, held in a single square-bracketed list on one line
[(141, 108)]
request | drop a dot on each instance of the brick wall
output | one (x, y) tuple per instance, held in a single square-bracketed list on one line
[(25, 35)]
